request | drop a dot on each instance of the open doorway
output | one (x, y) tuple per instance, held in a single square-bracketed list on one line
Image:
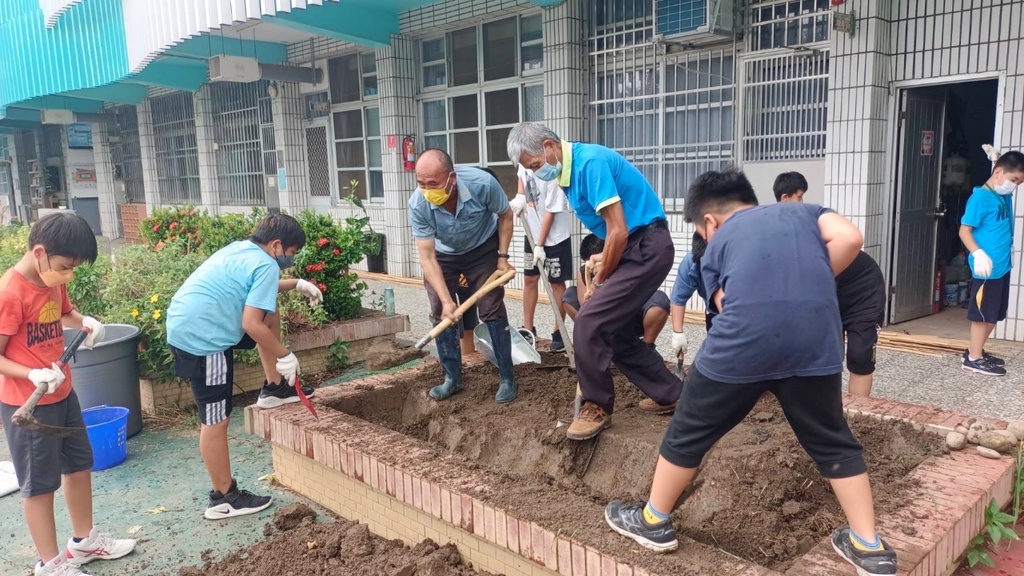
[(939, 161)]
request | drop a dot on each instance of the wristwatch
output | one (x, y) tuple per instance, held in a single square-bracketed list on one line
[(503, 255)]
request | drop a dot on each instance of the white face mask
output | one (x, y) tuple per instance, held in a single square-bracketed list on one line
[(1007, 187)]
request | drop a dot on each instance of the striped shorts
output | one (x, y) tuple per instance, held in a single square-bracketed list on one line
[(211, 379)]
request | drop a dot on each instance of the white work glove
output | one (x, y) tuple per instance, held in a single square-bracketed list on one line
[(53, 377), (679, 343), (518, 204), (990, 152), (982, 264), (288, 366), (309, 290), (539, 256), (96, 332)]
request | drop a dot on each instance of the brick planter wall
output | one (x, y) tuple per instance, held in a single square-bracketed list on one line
[(401, 489), (312, 349), (132, 216)]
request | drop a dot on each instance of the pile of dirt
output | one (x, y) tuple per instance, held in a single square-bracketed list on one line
[(386, 354), (303, 547), (759, 495)]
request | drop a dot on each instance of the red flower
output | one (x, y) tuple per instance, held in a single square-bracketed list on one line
[(175, 237), (337, 252), (310, 268), (181, 213), (159, 246), (322, 286), (173, 225), (321, 242), (192, 213), (156, 227)]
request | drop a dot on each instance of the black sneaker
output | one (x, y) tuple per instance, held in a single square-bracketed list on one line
[(982, 366), (274, 395), (557, 344), (628, 520), (235, 503), (993, 360), (867, 563)]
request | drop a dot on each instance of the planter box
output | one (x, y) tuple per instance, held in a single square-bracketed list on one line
[(311, 347)]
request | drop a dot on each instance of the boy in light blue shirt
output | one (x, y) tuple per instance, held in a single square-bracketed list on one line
[(230, 303), (986, 229)]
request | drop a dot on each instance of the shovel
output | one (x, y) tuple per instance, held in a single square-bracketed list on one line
[(494, 281), (26, 419), (305, 401), (679, 364), (554, 308)]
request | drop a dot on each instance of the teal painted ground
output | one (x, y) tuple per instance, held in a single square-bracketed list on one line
[(163, 470)]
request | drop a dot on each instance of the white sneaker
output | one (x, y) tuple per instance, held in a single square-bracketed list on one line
[(59, 566), (98, 547)]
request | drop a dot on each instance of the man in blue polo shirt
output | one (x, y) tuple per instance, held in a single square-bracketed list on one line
[(462, 225), (612, 199)]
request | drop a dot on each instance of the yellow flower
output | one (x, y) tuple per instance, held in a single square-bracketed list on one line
[(154, 298), (135, 313), (156, 314)]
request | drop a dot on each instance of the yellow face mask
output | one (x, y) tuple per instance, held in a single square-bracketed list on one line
[(437, 196)]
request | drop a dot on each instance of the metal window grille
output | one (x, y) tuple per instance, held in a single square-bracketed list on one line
[(174, 130), (785, 103), (318, 161), (244, 131), (126, 153), (782, 23), (672, 116), (53, 142), (5, 167)]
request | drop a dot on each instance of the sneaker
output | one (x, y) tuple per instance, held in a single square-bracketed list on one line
[(982, 366), (651, 407), (592, 420), (59, 566), (628, 520), (993, 360), (98, 546), (274, 395), (235, 503), (867, 563), (557, 344)]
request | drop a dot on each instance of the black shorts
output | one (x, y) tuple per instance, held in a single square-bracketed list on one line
[(995, 300), (211, 378), (813, 406), (558, 263), (862, 309)]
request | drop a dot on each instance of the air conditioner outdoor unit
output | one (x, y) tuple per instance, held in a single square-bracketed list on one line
[(234, 69), (49, 116), (694, 22)]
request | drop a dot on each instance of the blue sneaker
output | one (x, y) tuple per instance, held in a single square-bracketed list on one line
[(628, 520)]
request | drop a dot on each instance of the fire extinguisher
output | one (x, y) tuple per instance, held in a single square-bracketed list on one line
[(940, 281), (409, 153)]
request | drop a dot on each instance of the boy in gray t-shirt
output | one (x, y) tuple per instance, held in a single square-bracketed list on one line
[(769, 273)]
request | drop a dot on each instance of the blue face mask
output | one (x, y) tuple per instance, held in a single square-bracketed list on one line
[(284, 261), (547, 172)]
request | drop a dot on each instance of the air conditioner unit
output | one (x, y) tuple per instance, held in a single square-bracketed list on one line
[(234, 69), (56, 116), (694, 21)]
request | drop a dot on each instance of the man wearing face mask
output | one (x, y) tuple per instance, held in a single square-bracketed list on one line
[(230, 303), (986, 229), (614, 200), (462, 224)]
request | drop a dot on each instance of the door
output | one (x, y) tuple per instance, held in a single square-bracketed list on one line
[(920, 167), (89, 209), (318, 160)]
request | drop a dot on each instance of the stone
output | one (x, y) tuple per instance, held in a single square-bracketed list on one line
[(961, 429), (988, 453), (1017, 428), (998, 440), (956, 441), (762, 417)]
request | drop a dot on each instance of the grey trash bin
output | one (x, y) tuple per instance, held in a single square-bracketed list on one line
[(109, 373)]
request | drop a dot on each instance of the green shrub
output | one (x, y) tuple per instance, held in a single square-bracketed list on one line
[(196, 230), (86, 291), (330, 250)]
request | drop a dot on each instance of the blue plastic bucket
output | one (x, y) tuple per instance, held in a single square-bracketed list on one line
[(107, 427)]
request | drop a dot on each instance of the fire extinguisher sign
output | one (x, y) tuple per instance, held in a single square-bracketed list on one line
[(392, 141)]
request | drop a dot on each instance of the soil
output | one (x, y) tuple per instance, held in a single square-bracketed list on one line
[(388, 354), (304, 547), (758, 495)]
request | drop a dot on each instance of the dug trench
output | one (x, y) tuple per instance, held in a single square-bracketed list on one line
[(758, 496)]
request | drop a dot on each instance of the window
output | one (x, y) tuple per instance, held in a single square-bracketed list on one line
[(781, 23), (353, 77), (243, 128), (531, 43), (506, 48), (357, 152), (432, 56), (500, 49), (463, 56), (126, 152), (174, 134)]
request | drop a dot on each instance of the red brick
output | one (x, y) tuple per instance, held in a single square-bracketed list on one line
[(550, 548), (425, 496), (407, 488), (456, 504), (579, 560), (467, 513), (525, 539), (478, 518), (350, 461), (446, 505), (367, 469), (512, 533), (538, 544), (593, 562), (607, 566), (375, 469), (489, 532), (500, 528), (623, 570), (417, 493), (435, 500), (565, 558), (399, 477)]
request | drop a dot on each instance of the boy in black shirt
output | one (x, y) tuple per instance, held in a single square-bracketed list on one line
[(861, 292)]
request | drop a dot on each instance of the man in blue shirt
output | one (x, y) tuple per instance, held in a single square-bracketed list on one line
[(614, 200), (986, 229), (230, 303), (688, 281), (770, 273), (462, 225)]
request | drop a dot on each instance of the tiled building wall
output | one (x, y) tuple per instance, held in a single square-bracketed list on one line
[(109, 196), (147, 146), (206, 141), (290, 139)]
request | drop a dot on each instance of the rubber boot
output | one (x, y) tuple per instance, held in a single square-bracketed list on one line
[(501, 339), (450, 356)]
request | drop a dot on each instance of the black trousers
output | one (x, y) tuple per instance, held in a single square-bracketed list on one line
[(602, 325), (476, 265), (813, 406)]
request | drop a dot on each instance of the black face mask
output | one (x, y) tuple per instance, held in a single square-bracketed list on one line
[(698, 246)]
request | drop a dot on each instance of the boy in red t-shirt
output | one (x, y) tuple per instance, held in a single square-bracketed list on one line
[(34, 310)]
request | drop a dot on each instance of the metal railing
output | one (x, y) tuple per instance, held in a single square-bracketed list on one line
[(177, 152), (244, 132)]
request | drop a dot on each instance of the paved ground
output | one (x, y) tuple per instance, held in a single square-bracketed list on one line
[(900, 376)]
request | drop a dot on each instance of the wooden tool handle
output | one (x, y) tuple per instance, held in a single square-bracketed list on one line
[(496, 280), (28, 407)]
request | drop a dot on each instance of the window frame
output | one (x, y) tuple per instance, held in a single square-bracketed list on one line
[(364, 139), (362, 75)]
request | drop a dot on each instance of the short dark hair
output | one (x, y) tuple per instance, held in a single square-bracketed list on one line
[(1011, 161), (715, 191), (279, 227), (697, 247), (589, 246), (446, 159), (64, 234), (789, 183)]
